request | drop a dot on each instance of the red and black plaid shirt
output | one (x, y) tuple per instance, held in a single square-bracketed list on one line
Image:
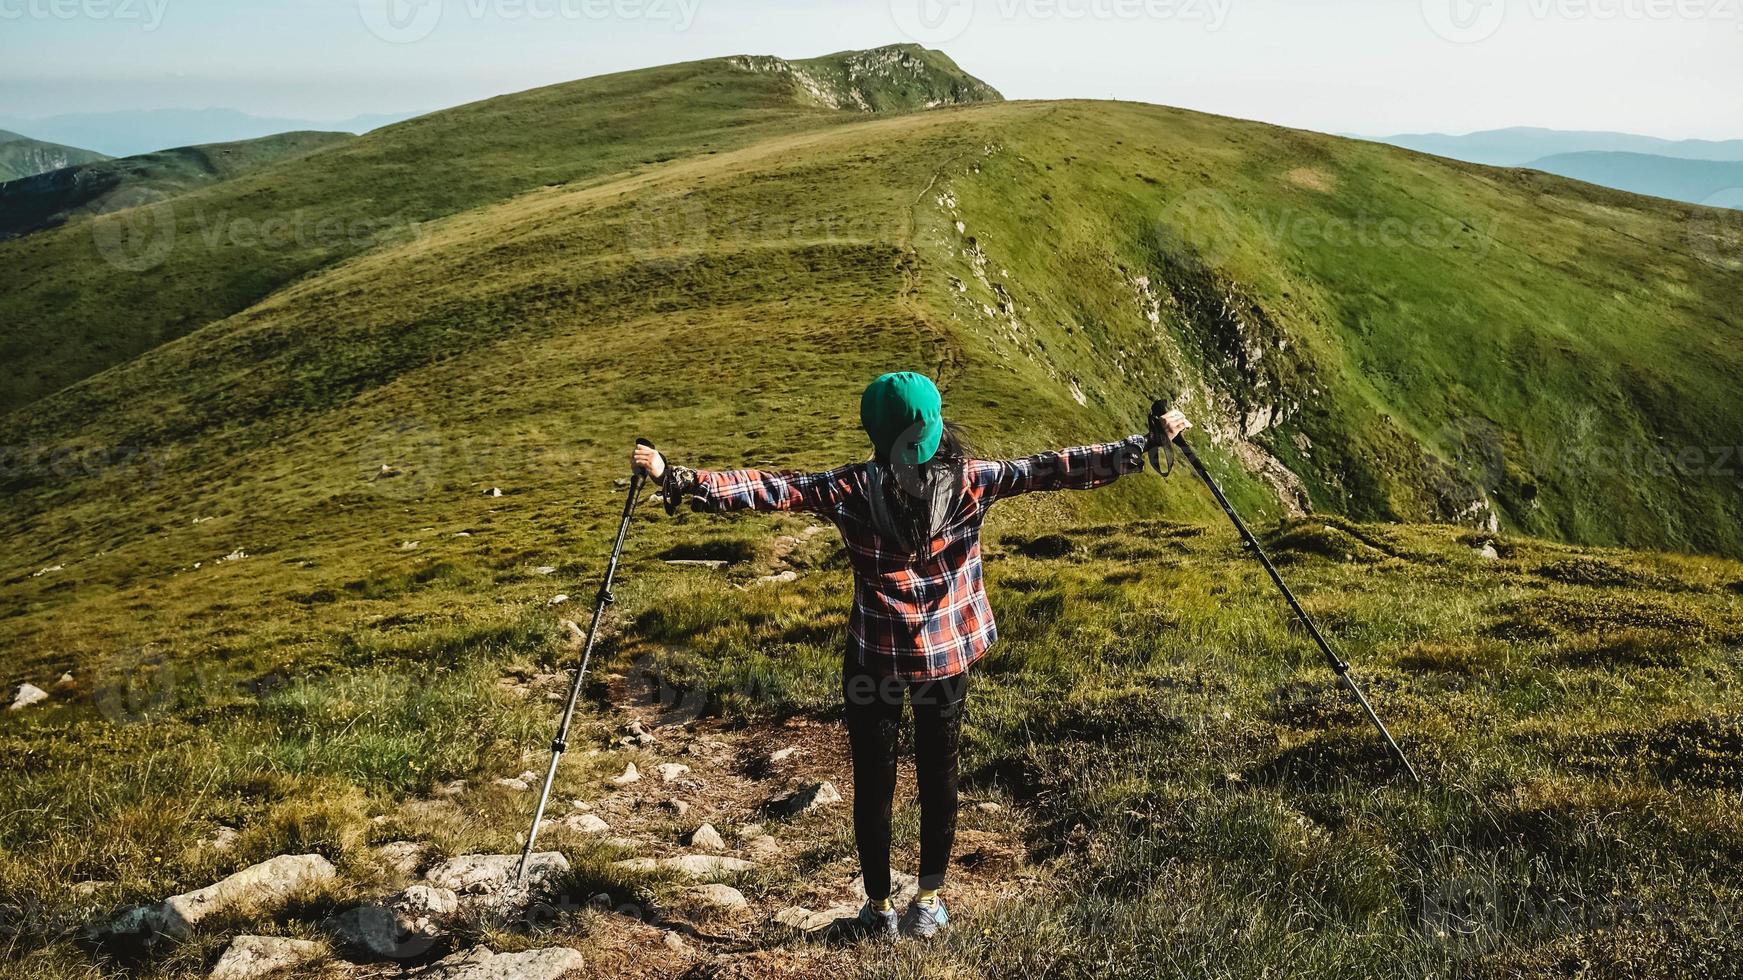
[(918, 616)]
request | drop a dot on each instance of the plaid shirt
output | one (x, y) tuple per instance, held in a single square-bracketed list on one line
[(917, 617)]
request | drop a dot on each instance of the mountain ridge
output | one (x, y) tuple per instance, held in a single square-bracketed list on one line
[(24, 156)]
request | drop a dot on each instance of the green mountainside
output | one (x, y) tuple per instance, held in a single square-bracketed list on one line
[(306, 468), (45, 200), (21, 156), (184, 263)]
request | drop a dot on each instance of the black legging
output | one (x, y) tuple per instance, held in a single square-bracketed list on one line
[(874, 718)]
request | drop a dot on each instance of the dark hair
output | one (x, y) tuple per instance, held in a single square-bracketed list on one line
[(909, 490)]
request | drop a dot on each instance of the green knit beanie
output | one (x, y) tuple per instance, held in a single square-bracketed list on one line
[(904, 415)]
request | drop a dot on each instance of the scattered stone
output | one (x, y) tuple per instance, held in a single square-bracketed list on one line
[(85, 889), (403, 856), (449, 789), (675, 942), (623, 843), (558, 599), (805, 920), (403, 927), (630, 775), (586, 823), (1487, 551), (223, 839), (66, 681), (806, 799), (46, 571), (493, 492), (27, 695), (715, 564), (750, 830), (988, 807), (723, 897), (483, 963), (520, 783), (409, 545), (787, 576), (763, 848), (488, 874), (706, 838), (639, 733), (462, 534), (782, 755), (546, 570), (267, 883), (254, 957), (678, 807), (580, 805), (671, 772)]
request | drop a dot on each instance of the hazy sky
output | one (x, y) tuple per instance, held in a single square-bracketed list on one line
[(1671, 68)]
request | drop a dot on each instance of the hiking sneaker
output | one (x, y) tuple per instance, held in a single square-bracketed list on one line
[(924, 921), (873, 922)]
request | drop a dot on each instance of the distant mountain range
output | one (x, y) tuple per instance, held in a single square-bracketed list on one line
[(1695, 171), (1718, 183), (21, 156), (53, 198), (1522, 146), (130, 133)]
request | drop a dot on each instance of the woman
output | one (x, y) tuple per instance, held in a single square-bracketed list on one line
[(911, 518)]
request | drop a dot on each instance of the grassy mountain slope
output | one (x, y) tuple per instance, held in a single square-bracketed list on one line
[(21, 156), (178, 265), (270, 552), (1715, 183), (50, 199)]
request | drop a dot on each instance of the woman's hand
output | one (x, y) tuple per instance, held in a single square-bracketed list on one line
[(1173, 424), (647, 459)]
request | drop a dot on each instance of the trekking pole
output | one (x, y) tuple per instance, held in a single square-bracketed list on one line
[(1337, 663), (560, 744)]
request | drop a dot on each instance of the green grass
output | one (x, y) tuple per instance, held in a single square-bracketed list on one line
[(707, 256)]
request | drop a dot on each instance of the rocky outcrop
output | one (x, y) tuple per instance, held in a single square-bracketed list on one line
[(257, 957), (263, 885), (485, 964)]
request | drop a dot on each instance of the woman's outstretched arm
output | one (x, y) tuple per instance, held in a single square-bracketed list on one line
[(719, 491), (1078, 468)]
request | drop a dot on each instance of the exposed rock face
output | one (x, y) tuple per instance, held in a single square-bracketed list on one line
[(27, 695), (265, 884), (404, 856), (484, 964), (490, 874), (723, 897), (806, 799), (255, 957), (706, 838)]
